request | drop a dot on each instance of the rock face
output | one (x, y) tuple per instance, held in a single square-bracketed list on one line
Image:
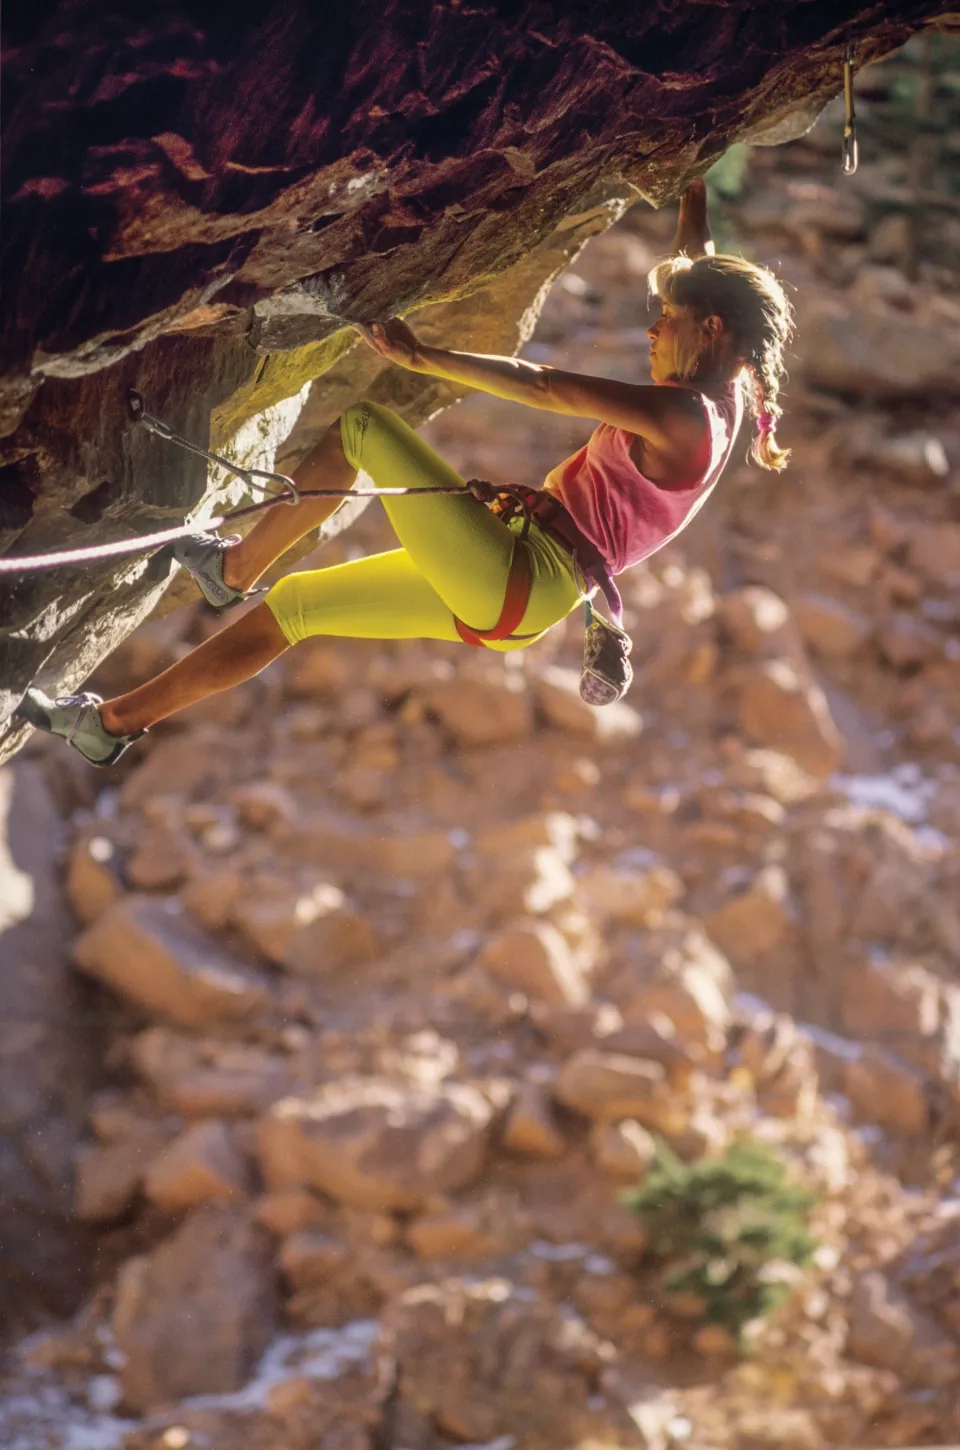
[(197, 210), (46, 1055)]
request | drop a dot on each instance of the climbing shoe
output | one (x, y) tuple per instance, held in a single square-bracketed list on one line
[(202, 557), (77, 719), (607, 672)]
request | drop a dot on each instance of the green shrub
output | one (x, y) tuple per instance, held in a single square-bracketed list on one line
[(724, 1229)]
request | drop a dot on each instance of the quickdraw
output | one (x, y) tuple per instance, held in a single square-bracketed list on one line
[(850, 154)]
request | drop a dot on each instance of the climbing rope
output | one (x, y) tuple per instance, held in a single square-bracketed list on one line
[(289, 493)]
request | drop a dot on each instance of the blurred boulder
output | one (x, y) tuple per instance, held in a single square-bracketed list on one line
[(218, 1265), (372, 1143), (146, 950), (202, 1165)]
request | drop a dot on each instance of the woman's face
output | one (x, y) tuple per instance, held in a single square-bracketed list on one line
[(675, 338)]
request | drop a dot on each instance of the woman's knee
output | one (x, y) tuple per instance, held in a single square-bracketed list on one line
[(363, 420), (284, 601)]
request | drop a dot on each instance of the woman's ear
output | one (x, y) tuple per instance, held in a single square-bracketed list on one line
[(713, 327)]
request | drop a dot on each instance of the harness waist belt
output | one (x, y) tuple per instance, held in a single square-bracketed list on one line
[(548, 513)]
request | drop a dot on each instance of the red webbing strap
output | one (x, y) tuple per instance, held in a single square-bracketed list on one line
[(515, 600)]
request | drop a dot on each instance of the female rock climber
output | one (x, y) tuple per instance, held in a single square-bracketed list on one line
[(650, 464)]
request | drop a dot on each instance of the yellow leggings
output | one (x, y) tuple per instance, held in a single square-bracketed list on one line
[(455, 558)]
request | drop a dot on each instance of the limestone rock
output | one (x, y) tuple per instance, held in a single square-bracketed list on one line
[(481, 712), (757, 620), (333, 942), (158, 960), (528, 882), (92, 882), (608, 1086), (906, 641), (264, 804), (884, 1089), (934, 551), (163, 857), (676, 974), (774, 773), (530, 1128), (633, 896), (489, 1362), (533, 957), (373, 1144), (558, 698), (217, 1264), (863, 347), (338, 842), (201, 1166), (107, 1178), (887, 1330), (200, 1077), (830, 627), (556, 829), (310, 1257), (783, 709), (454, 1232), (289, 1210), (622, 1150), (757, 920), (895, 1002), (311, 933)]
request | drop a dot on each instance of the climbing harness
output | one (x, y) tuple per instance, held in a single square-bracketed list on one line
[(850, 153), (606, 672)]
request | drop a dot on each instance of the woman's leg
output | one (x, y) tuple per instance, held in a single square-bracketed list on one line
[(381, 597), (463, 549), (455, 561), (282, 526), (235, 654)]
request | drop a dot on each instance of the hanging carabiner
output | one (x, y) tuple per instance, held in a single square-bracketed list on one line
[(850, 152)]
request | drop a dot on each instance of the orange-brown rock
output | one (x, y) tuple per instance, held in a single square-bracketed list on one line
[(156, 959), (201, 1166), (217, 1262), (533, 957), (92, 881), (373, 1144), (531, 1128), (782, 708)]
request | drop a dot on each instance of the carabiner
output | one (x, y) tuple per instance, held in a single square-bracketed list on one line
[(850, 153)]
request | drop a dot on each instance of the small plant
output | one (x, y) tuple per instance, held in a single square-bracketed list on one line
[(729, 1232)]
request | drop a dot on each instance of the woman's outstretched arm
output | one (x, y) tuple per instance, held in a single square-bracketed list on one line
[(652, 413)]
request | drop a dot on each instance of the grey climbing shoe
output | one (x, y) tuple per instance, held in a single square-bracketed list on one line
[(202, 557), (77, 719)]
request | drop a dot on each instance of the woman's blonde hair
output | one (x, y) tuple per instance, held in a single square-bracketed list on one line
[(759, 322)]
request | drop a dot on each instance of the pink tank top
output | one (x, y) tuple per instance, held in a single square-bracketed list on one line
[(621, 511)]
